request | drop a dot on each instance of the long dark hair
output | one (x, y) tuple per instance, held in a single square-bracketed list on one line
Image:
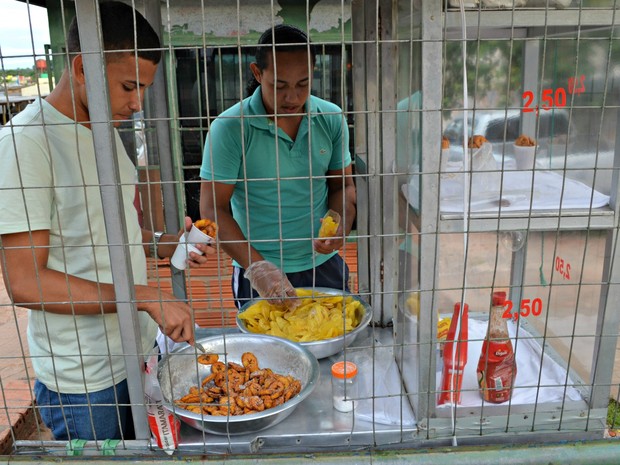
[(285, 38)]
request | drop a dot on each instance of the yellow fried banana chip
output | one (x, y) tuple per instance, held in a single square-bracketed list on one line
[(320, 316), (328, 227)]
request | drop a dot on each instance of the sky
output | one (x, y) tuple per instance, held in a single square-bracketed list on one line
[(15, 34)]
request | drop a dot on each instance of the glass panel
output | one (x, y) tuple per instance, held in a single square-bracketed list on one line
[(559, 90)]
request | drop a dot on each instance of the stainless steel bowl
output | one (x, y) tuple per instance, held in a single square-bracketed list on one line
[(179, 370), (326, 347)]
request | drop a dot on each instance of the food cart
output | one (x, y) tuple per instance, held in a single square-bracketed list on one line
[(432, 234)]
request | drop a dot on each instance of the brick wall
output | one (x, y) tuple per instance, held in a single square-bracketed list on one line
[(209, 292)]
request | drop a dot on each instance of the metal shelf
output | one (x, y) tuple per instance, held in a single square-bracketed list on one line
[(570, 220), (537, 220), (486, 20)]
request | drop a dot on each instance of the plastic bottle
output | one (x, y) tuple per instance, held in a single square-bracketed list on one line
[(344, 384), (454, 356), (497, 366)]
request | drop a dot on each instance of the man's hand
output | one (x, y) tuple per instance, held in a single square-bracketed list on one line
[(271, 283), (326, 245), (173, 316)]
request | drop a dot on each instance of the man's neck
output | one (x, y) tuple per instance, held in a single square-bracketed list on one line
[(289, 124), (62, 99)]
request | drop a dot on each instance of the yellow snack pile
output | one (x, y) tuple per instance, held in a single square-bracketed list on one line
[(320, 316), (328, 227)]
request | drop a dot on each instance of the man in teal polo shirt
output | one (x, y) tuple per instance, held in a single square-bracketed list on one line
[(280, 160)]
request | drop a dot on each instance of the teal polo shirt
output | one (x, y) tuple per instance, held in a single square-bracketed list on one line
[(280, 191)]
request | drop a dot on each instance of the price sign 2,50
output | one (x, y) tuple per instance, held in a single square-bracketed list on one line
[(553, 97), (528, 307)]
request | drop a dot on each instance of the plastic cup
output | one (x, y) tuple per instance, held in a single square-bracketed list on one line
[(196, 236), (181, 253), (525, 157)]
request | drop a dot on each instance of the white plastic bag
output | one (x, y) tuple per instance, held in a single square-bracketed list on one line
[(482, 159), (486, 178), (164, 425)]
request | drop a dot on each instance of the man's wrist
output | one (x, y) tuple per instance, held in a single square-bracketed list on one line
[(154, 245)]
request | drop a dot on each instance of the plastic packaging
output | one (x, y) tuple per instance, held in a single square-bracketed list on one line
[(164, 425), (497, 366), (344, 385), (454, 356)]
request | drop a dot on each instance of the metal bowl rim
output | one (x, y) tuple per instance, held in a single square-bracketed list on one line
[(291, 403), (327, 290)]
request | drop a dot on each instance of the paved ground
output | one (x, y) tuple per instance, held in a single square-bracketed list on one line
[(17, 419)]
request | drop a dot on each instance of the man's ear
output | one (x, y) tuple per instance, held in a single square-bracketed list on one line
[(256, 72), (77, 70)]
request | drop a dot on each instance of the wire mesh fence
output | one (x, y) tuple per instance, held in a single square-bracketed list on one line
[(469, 149)]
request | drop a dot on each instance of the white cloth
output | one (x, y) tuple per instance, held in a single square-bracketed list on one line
[(554, 383), (513, 190), (52, 184)]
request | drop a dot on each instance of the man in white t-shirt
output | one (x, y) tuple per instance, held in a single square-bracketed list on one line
[(55, 255)]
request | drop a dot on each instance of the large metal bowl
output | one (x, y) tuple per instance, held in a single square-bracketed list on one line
[(326, 347), (179, 370)]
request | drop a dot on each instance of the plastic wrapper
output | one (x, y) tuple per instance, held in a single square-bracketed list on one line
[(482, 158), (329, 224), (165, 427)]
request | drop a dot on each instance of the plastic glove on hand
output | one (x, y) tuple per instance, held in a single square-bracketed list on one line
[(271, 283)]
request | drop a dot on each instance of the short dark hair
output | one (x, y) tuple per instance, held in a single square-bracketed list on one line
[(117, 27), (285, 38)]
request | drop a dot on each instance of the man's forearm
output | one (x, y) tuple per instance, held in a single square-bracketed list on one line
[(233, 241), (69, 295), (58, 292)]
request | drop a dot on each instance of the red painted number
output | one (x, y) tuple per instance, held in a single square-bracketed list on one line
[(549, 99), (508, 310), (528, 307), (528, 96), (562, 267), (574, 87)]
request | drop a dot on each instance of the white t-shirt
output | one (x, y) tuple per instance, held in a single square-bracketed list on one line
[(52, 184)]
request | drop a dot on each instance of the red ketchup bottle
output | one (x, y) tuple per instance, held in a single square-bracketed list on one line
[(454, 357), (497, 367)]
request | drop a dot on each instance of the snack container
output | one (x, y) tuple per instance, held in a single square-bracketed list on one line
[(329, 224), (325, 347), (181, 253), (344, 385), (196, 236), (525, 157), (178, 371)]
